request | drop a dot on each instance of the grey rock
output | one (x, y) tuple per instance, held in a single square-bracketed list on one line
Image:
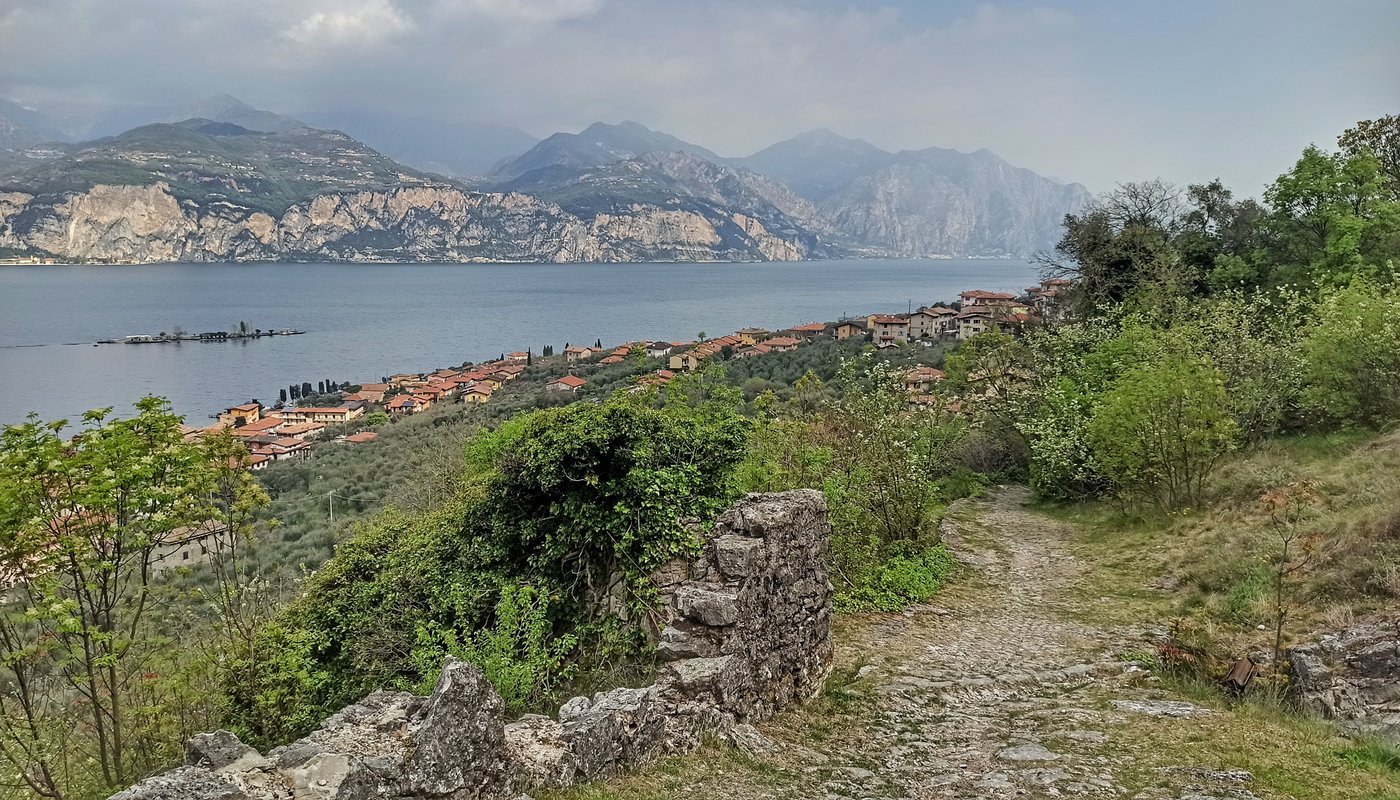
[(459, 742), (1352, 676), (736, 554), (537, 751), (1210, 774), (183, 783), (1027, 752), (1087, 737), (681, 643), (698, 674), (748, 740), (713, 608), (218, 750), (1160, 708)]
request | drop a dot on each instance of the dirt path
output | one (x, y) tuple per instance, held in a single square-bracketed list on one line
[(993, 691)]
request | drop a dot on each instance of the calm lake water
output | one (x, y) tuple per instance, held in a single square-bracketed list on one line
[(366, 321)]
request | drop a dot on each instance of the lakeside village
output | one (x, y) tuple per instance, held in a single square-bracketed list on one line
[(291, 431)]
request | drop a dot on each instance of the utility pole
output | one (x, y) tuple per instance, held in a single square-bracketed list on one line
[(330, 496)]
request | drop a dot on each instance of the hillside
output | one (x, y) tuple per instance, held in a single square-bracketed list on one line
[(729, 197), (229, 109), (21, 127), (211, 162), (214, 191)]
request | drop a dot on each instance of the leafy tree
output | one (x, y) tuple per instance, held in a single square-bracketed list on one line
[(1119, 245), (1161, 430), (83, 523), (1219, 238), (1330, 219), (1380, 139)]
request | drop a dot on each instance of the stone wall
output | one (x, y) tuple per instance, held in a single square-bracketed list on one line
[(1353, 677), (750, 635)]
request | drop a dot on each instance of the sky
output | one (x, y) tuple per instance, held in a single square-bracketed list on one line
[(1094, 91)]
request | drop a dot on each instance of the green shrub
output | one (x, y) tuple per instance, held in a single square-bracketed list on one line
[(1161, 430), (518, 652), (1353, 357), (899, 581), (573, 502)]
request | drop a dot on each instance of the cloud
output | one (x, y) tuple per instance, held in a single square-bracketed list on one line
[(344, 23), (1088, 90), (532, 11)]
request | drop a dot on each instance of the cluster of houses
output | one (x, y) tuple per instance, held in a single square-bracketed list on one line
[(283, 433), (414, 394), (979, 311)]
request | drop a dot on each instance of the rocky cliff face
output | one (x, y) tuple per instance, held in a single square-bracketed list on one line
[(141, 224), (920, 206), (921, 203), (750, 635), (1352, 676)]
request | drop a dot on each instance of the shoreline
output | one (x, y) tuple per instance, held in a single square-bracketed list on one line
[(503, 262)]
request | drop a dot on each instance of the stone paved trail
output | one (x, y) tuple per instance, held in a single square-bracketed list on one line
[(992, 691)]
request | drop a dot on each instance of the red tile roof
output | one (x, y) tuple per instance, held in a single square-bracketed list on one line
[(889, 320), (362, 436), (571, 381)]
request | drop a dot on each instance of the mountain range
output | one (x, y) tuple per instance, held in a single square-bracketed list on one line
[(222, 180)]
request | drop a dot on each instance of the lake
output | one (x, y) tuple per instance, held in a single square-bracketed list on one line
[(366, 321)]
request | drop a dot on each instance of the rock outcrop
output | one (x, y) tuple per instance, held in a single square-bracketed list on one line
[(750, 635), (1352, 676)]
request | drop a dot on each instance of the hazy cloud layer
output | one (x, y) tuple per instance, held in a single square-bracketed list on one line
[(1089, 91)]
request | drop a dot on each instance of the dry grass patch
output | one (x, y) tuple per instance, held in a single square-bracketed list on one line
[(1216, 567), (1290, 757)]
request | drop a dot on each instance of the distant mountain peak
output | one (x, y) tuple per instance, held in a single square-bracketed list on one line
[(229, 109), (596, 145)]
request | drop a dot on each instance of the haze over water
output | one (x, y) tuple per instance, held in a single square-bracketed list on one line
[(367, 321)]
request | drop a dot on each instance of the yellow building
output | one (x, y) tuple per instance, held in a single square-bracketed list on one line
[(238, 416)]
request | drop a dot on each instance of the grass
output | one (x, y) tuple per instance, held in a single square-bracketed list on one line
[(1211, 566), (1374, 754), (1288, 755)]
